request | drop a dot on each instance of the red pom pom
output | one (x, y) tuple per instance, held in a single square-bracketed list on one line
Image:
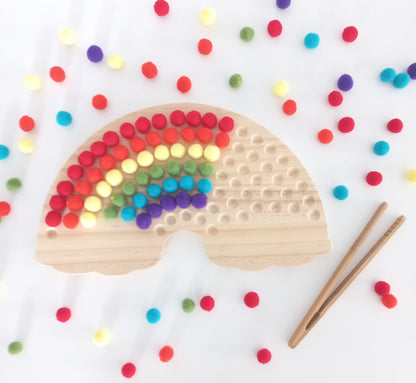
[(251, 299), (142, 124), (209, 120), (346, 124), (274, 28), (161, 7), (84, 187), (153, 139), (63, 314), (177, 117), (75, 172), (184, 84), (111, 138), (120, 153), (86, 158), (374, 178), (98, 148), (289, 107), (57, 202), (188, 134), (99, 102), (65, 188), (204, 135), (222, 140), (4, 208), (349, 34), (226, 124), (94, 175), (127, 130), (137, 144), (264, 356), (204, 46), (166, 354), (170, 135), (159, 121), (26, 123), (382, 288), (128, 370), (335, 98), (207, 303), (389, 301), (107, 162), (75, 203), (193, 118), (325, 136), (53, 218), (395, 125), (149, 70), (57, 74), (70, 220)]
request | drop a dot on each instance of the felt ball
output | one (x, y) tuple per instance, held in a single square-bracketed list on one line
[(209, 120), (111, 138), (4, 208), (395, 125), (154, 210), (32, 82), (170, 135), (142, 178), (235, 80), (139, 200), (186, 183), (183, 200), (4, 152), (381, 148), (204, 185), (251, 299), (194, 118), (184, 84), (283, 4), (94, 175), (188, 305), (411, 71), (222, 140), (107, 162), (166, 354), (226, 124), (173, 168), (161, 153), (374, 178), (280, 88), (137, 144), (103, 189), (65, 188), (114, 177), (57, 202), (159, 121), (57, 74), (207, 303), (153, 315), (206, 169), (177, 117), (325, 136), (64, 118), (142, 124), (26, 145), (145, 158), (168, 202), (52, 219), (92, 204), (128, 213), (127, 130), (204, 135), (340, 192), (199, 201), (157, 172), (188, 134), (264, 356), (170, 185), (13, 184), (161, 7), (177, 150), (143, 221), (118, 200), (195, 151), (101, 337), (63, 314), (212, 153), (99, 102), (335, 98), (345, 82), (15, 348), (70, 220), (86, 158), (67, 37), (190, 167), (411, 175), (204, 47), (154, 191), (388, 75), (149, 70), (208, 17), (110, 213), (120, 153), (75, 172), (128, 370), (274, 28), (401, 80), (382, 288), (389, 301), (349, 34), (289, 107), (115, 61), (311, 40), (129, 188), (247, 34), (346, 124), (75, 203), (26, 123), (153, 139), (95, 54)]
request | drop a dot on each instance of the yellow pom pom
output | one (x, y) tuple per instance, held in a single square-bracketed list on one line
[(208, 17), (26, 145), (88, 219), (212, 153), (101, 337), (281, 88), (103, 189), (145, 158), (195, 151), (115, 62), (67, 37), (411, 175), (114, 177), (177, 150), (32, 82), (161, 152), (92, 204), (129, 166)]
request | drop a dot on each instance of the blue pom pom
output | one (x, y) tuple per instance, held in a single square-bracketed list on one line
[(128, 213), (381, 148), (311, 40), (154, 191), (401, 80), (64, 118), (341, 192), (204, 185), (388, 75), (170, 185), (186, 183), (153, 316), (4, 152), (139, 200)]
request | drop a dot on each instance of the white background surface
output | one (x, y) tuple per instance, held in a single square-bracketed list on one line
[(359, 339)]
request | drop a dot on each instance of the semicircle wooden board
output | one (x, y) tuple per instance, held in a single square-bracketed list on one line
[(263, 209)]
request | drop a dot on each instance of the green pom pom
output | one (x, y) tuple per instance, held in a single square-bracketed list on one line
[(247, 34), (13, 184), (110, 213), (15, 348), (206, 169), (190, 167), (235, 80), (118, 200), (129, 188), (174, 168), (157, 172), (188, 305), (142, 178)]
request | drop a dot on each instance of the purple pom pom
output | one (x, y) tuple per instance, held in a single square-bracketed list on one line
[(411, 71), (183, 200), (143, 221), (95, 54), (345, 82), (154, 210), (168, 202), (199, 200), (283, 4)]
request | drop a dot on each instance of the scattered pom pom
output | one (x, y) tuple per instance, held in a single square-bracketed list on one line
[(411, 175), (395, 125), (204, 47), (161, 7), (33, 83), (188, 305), (389, 301), (401, 81), (128, 370), (207, 303), (115, 62), (15, 348), (311, 40), (280, 88), (153, 315), (346, 124), (341, 192), (208, 17), (283, 4), (4, 208), (63, 314), (381, 148), (64, 118), (26, 145), (388, 75), (264, 356), (149, 70), (289, 107), (325, 136), (274, 28), (247, 34), (382, 288), (101, 337), (349, 34), (345, 82), (184, 84), (99, 102), (166, 354), (13, 184), (411, 71), (95, 54), (4, 152), (57, 74), (374, 178), (67, 37), (251, 299), (335, 98)]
